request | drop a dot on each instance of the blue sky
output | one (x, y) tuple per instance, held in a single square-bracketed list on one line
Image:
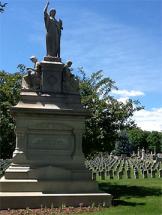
[(121, 37)]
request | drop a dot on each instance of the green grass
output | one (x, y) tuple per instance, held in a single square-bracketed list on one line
[(133, 197)]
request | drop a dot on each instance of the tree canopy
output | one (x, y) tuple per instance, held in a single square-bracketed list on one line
[(107, 115), (149, 140), (154, 140), (123, 144), (9, 96)]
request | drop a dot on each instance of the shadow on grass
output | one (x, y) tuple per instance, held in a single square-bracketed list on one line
[(129, 191), (117, 202), (119, 191)]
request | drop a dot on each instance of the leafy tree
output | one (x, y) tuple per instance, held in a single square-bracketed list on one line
[(123, 145), (9, 96), (22, 69), (2, 6), (138, 137), (160, 136), (108, 116), (154, 140)]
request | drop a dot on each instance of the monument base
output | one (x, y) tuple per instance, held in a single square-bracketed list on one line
[(47, 186), (22, 200)]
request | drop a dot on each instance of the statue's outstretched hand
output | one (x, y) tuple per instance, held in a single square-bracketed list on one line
[(47, 4), (46, 8)]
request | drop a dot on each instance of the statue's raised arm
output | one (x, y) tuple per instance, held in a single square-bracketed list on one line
[(46, 8), (46, 16)]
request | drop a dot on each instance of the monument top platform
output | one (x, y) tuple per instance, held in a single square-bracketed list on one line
[(52, 59)]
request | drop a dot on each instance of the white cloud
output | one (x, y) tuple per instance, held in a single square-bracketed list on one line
[(123, 99), (149, 120), (123, 95), (127, 93)]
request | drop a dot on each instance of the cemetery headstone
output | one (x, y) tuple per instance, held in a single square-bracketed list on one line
[(102, 175), (143, 154), (153, 173), (94, 176), (128, 174), (160, 173), (120, 174), (144, 174), (111, 174), (136, 176), (138, 152)]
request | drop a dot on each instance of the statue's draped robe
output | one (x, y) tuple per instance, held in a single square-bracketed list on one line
[(52, 36)]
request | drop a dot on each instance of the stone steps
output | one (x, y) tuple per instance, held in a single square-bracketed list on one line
[(45, 186), (22, 200)]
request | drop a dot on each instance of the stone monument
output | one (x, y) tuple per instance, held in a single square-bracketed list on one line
[(143, 154), (48, 164)]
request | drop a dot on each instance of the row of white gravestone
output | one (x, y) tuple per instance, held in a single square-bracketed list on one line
[(121, 174), (105, 166)]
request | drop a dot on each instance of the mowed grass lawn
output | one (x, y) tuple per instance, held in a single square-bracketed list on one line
[(133, 197)]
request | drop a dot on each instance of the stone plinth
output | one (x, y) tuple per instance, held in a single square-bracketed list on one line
[(48, 162), (51, 77)]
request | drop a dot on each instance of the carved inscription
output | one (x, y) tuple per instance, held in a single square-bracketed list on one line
[(51, 141)]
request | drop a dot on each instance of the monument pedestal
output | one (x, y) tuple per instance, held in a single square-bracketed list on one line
[(48, 163)]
